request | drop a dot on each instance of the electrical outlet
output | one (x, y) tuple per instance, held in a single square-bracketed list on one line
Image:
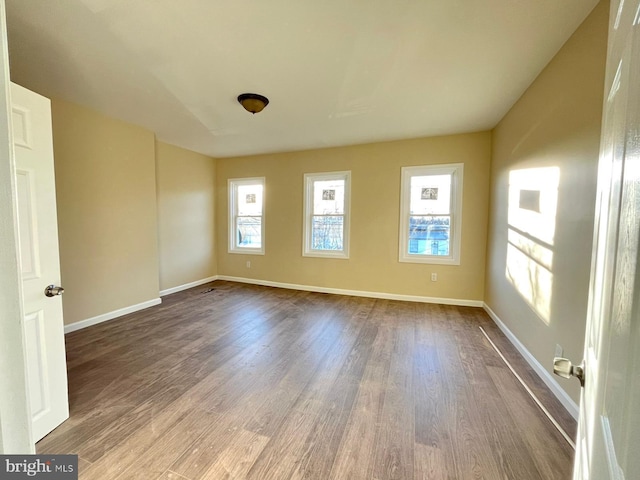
[(559, 351), (434, 277), (248, 263)]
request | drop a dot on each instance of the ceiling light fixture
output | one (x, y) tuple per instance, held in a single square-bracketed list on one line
[(252, 102)]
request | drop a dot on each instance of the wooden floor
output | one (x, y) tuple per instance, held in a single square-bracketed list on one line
[(264, 383)]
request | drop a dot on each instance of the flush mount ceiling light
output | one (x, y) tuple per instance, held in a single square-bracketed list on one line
[(252, 102)]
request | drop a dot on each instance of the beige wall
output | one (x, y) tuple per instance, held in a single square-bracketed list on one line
[(185, 183), (106, 196), (375, 182), (554, 125)]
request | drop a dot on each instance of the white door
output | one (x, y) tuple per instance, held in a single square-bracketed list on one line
[(40, 265), (608, 444)]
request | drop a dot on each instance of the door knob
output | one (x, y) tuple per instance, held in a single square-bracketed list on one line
[(52, 291), (565, 369)]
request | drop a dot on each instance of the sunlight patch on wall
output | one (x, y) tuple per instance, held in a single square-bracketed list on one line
[(533, 281), (540, 254), (533, 201), (524, 185)]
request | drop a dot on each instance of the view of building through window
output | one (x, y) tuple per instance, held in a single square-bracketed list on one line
[(430, 214), (326, 207), (431, 201), (249, 216), (246, 215), (328, 215)]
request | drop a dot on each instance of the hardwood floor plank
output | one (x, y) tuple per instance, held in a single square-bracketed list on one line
[(472, 455), (118, 419), (130, 449), (169, 475), (235, 461), (276, 400), (83, 466), (552, 455), (318, 338), (429, 463), (262, 383), (321, 445), (393, 454), (109, 413), (168, 447), (500, 435), (431, 397), (357, 448), (296, 436), (534, 382)]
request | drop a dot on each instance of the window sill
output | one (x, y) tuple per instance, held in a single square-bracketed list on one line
[(321, 254), (430, 260), (248, 251)]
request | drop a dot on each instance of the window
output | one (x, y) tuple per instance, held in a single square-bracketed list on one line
[(431, 214), (326, 214), (246, 218)]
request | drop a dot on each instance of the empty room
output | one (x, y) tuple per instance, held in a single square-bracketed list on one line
[(322, 240)]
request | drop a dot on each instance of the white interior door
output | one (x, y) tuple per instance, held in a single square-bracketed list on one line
[(608, 444), (40, 265)]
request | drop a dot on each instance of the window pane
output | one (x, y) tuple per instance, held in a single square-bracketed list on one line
[(429, 235), (328, 197), (249, 231), (430, 194), (327, 233), (249, 200)]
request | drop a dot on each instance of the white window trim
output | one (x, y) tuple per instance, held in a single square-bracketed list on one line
[(456, 170), (232, 187), (309, 179)]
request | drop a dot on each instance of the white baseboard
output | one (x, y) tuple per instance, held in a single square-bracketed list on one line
[(308, 288), (355, 293), (547, 378), (186, 286), (110, 315)]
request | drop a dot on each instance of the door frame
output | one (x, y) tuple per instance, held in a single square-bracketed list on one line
[(15, 417)]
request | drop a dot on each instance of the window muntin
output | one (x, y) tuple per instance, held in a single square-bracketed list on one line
[(246, 215), (431, 214), (327, 214)]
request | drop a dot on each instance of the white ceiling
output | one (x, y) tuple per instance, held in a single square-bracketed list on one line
[(337, 72)]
